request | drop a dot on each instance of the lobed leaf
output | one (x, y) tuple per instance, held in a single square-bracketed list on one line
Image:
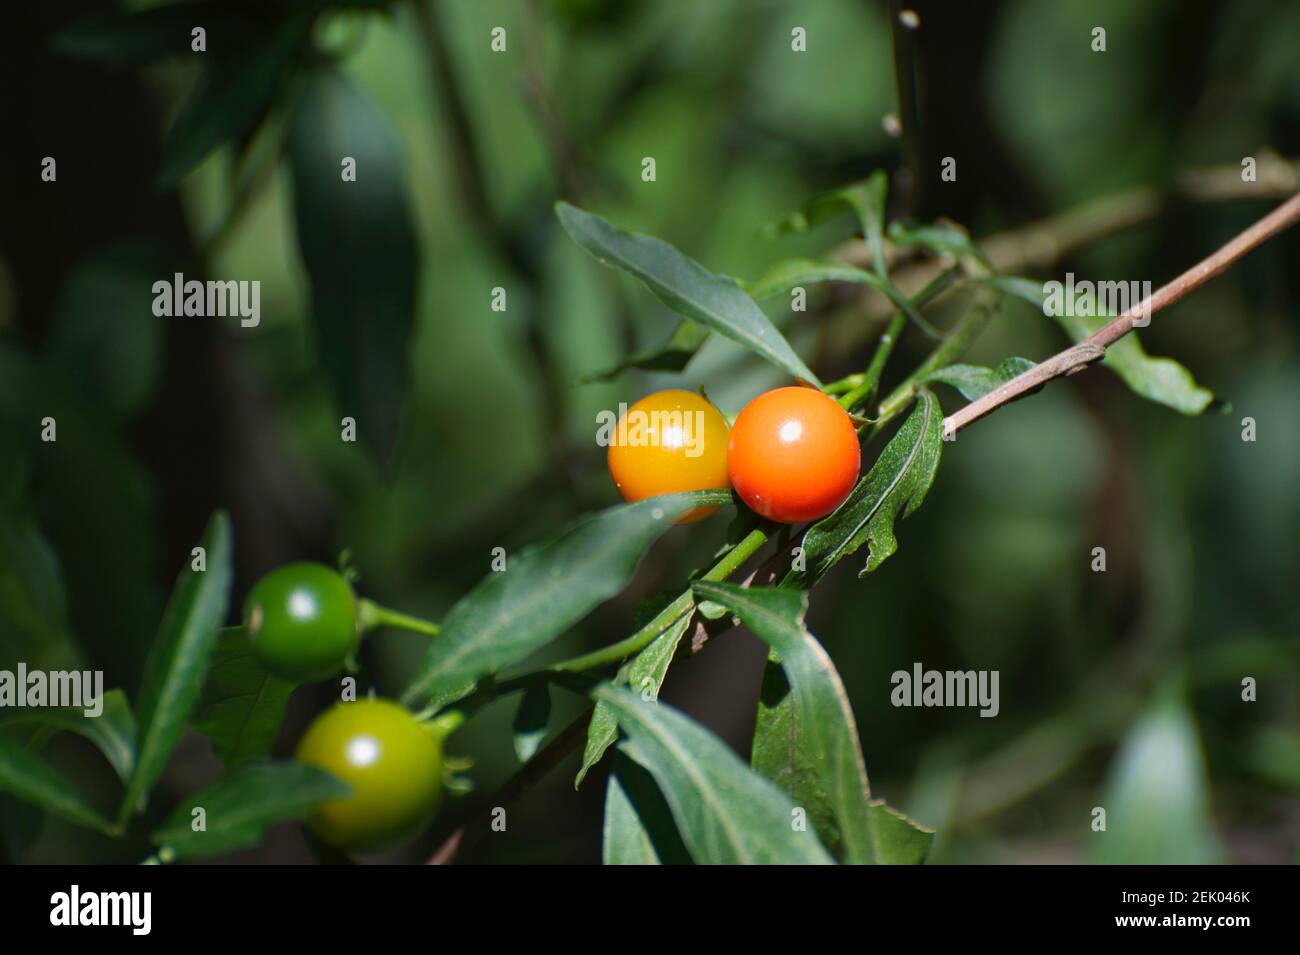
[(725, 812), (895, 486), (546, 589), (177, 663), (685, 286), (239, 807), (242, 705)]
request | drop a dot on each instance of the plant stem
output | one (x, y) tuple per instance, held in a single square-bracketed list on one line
[(372, 615), (948, 351), (617, 652), (1078, 356), (866, 385), (908, 109)]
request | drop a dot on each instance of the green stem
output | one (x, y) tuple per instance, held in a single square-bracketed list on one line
[(371, 615), (865, 388), (950, 349), (618, 652)]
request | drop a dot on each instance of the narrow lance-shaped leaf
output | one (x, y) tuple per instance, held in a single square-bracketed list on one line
[(1157, 794), (639, 827), (894, 487), (726, 813), (545, 590), (867, 201), (898, 839), (232, 98), (242, 705), (359, 247), (1161, 380), (31, 779), (529, 727), (684, 286), (975, 381), (645, 675), (938, 239), (238, 808), (788, 274), (112, 730), (177, 663), (807, 742)]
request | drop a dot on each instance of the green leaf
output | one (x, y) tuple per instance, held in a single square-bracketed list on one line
[(31, 779), (898, 839), (938, 239), (530, 721), (112, 731), (1161, 380), (895, 486), (673, 355), (232, 98), (239, 807), (639, 827), (547, 588), (867, 201), (788, 274), (975, 381), (242, 705), (726, 813), (805, 740), (359, 247), (174, 671), (645, 675), (1157, 798), (684, 286)]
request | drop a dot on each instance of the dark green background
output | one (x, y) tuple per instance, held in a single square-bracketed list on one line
[(1119, 690)]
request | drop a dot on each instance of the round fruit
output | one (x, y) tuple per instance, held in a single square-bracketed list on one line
[(392, 763), (793, 455), (668, 442), (302, 621)]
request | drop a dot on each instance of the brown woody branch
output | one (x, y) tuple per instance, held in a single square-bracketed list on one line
[(1076, 357)]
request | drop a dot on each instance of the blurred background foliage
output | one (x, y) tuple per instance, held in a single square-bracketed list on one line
[(1119, 689)]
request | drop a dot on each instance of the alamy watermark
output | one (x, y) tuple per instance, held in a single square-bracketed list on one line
[(211, 299), (922, 687), (666, 429), (1090, 299), (77, 689)]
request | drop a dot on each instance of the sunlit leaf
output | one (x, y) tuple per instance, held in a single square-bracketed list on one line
[(685, 286), (895, 486), (726, 813), (547, 588)]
